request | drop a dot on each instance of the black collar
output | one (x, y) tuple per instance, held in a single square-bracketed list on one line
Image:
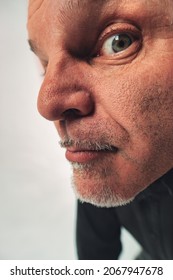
[(164, 185)]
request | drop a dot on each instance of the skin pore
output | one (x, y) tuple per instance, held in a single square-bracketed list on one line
[(108, 88)]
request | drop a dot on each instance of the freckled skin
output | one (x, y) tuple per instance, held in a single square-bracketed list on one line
[(124, 99)]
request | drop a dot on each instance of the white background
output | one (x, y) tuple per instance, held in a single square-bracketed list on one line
[(37, 204)]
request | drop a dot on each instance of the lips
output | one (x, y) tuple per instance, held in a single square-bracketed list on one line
[(81, 156), (85, 156)]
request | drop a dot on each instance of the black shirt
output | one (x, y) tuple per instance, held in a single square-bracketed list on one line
[(149, 218)]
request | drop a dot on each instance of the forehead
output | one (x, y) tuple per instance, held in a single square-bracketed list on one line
[(66, 5), (85, 6)]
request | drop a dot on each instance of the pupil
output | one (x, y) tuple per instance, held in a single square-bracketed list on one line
[(121, 44)]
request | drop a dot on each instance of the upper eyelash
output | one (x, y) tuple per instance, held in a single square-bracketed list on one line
[(120, 28)]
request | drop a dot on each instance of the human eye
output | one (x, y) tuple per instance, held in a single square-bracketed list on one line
[(118, 42)]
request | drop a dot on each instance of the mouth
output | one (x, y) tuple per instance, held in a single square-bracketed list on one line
[(84, 152)]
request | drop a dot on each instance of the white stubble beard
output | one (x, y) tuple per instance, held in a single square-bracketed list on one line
[(105, 195)]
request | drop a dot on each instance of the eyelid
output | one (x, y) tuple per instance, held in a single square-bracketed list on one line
[(119, 28)]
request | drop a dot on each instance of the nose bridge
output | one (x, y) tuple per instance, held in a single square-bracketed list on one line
[(64, 88)]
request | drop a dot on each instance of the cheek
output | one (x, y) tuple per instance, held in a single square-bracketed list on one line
[(151, 112), (142, 105), (139, 103)]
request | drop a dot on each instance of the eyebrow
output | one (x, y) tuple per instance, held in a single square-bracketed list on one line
[(72, 5), (77, 4)]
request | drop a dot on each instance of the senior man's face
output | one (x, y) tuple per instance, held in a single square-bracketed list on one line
[(108, 87)]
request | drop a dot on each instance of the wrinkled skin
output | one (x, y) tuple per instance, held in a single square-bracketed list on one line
[(97, 96)]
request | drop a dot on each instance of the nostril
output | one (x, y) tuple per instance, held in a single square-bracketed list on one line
[(71, 113)]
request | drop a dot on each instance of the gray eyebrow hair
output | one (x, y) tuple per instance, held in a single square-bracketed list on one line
[(73, 4)]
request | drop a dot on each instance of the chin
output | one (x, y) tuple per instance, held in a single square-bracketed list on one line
[(105, 184), (105, 200), (101, 189)]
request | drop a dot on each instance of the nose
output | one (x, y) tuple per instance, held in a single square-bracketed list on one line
[(65, 91)]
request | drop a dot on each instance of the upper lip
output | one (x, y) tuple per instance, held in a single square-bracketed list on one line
[(75, 150)]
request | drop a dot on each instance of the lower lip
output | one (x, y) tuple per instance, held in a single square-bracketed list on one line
[(83, 156)]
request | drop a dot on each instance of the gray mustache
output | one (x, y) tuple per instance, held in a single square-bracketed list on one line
[(88, 145)]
